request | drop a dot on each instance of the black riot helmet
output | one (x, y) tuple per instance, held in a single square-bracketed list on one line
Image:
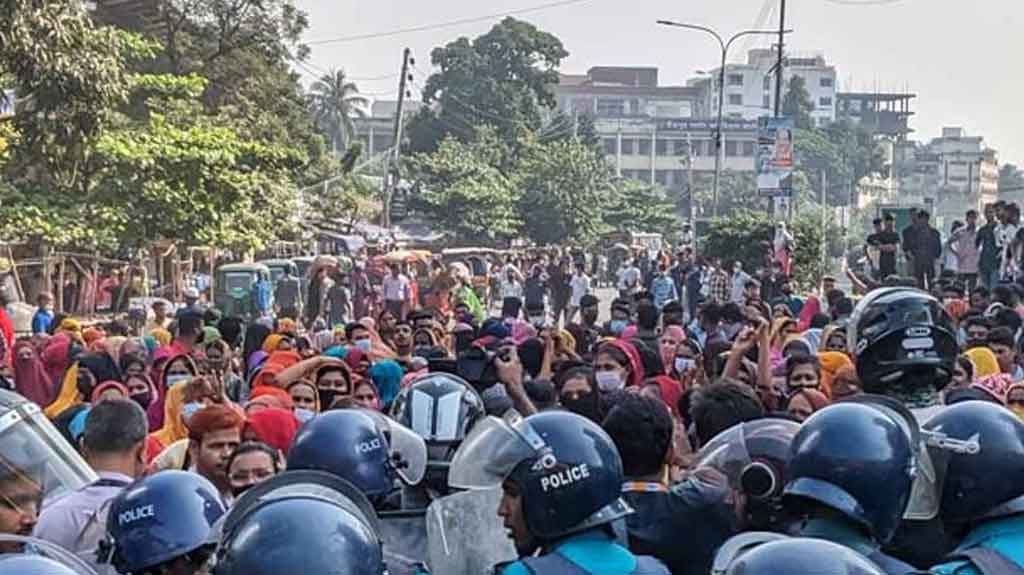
[(790, 556), (754, 458), (903, 341), (301, 522), (988, 483), (566, 467), (441, 408), (855, 459)]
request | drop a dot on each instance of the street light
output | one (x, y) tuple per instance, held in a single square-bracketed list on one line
[(724, 44)]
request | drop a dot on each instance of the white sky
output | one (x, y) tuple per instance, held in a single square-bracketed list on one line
[(964, 60)]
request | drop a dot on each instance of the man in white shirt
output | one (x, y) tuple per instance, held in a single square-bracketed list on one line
[(579, 286), (629, 279), (739, 280), (396, 292)]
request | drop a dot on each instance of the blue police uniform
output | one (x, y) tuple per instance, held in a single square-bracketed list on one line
[(1004, 535), (592, 552), (846, 534)]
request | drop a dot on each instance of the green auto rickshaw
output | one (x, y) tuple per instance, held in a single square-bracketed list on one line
[(233, 288)]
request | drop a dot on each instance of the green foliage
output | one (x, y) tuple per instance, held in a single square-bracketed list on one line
[(502, 78), (845, 151), (797, 103), (639, 207), (736, 191), (462, 192), (334, 101), (745, 235)]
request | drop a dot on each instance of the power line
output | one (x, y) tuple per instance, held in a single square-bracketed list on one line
[(448, 24), (863, 2)]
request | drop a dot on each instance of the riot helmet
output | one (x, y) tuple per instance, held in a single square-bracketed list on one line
[(441, 408), (792, 556), (842, 457), (988, 483), (565, 467), (362, 447), (903, 342), (33, 565), (160, 518), (36, 462), (301, 522), (41, 558), (753, 458)]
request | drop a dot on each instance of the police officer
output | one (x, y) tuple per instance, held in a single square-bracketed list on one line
[(561, 478), (300, 522), (363, 448), (32, 565), (441, 408), (983, 494), (851, 472), (795, 556), (163, 524)]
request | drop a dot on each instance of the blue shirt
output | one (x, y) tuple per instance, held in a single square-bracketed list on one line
[(664, 290), (593, 551), (261, 295), (41, 321), (1005, 535)]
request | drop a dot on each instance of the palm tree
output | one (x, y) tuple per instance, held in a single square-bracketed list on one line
[(334, 102)]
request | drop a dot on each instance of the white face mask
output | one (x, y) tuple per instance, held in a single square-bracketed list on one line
[(176, 379), (190, 409), (609, 381), (303, 415), (364, 345), (684, 364)]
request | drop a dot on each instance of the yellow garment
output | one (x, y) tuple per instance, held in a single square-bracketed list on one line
[(174, 428), (985, 362), (568, 339), (270, 344), (173, 456), (162, 336), (831, 363), (69, 395)]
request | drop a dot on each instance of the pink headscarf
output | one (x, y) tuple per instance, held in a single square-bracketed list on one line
[(812, 307), (995, 385), (635, 364)]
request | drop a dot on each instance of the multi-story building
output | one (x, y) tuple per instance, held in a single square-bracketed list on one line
[(656, 134), (750, 86), (884, 114), (376, 132)]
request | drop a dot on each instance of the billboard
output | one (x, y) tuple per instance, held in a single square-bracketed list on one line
[(775, 157)]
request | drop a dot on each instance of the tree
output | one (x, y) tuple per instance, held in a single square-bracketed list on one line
[(736, 191), (463, 193), (334, 101), (640, 207), (797, 103), (566, 190), (845, 151), (1010, 178), (502, 78)]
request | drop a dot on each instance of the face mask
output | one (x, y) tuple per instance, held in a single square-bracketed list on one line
[(684, 364), (143, 399), (617, 326), (175, 379), (327, 397), (303, 415), (537, 321), (585, 405), (364, 345), (609, 381), (190, 409)]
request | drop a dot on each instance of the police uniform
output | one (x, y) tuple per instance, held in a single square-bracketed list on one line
[(1005, 536), (592, 552)]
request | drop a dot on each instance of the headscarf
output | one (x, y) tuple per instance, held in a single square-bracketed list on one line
[(133, 345), (284, 359), (270, 344), (112, 345), (102, 366), (985, 362), (841, 381), (387, 378), (668, 357), (635, 364), (255, 335), (99, 389), (271, 396), (57, 357), (72, 327), (162, 336), (69, 395), (671, 391), (569, 340), (812, 307), (92, 334), (174, 428), (309, 384), (157, 410), (274, 426), (210, 335), (997, 385), (287, 326), (354, 357), (1015, 408), (30, 377), (816, 398), (831, 362)]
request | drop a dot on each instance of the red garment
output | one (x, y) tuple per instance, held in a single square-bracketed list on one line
[(57, 358), (354, 358), (154, 447), (812, 307), (636, 378), (7, 330), (279, 395), (30, 377), (671, 391), (274, 426)]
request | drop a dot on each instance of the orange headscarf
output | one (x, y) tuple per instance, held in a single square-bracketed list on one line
[(174, 428), (831, 363)]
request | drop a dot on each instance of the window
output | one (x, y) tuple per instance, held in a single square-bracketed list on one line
[(661, 176), (679, 179), (644, 146), (767, 83), (735, 79), (824, 102), (610, 147), (731, 149), (661, 148), (627, 146), (748, 149), (766, 101), (606, 107), (735, 99), (679, 148), (826, 82), (697, 148)]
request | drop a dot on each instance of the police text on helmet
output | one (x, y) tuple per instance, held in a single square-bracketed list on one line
[(564, 477)]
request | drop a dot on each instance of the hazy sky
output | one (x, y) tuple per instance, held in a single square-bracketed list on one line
[(962, 59)]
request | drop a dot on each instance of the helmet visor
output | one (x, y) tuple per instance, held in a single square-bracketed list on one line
[(35, 460), (50, 551), (406, 450), (490, 452), (724, 458)]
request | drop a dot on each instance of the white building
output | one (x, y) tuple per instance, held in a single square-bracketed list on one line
[(750, 87), (376, 131)]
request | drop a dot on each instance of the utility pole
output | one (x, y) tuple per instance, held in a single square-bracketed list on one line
[(778, 64), (392, 172), (824, 219)]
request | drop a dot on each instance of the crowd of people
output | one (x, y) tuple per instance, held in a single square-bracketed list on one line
[(716, 421)]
